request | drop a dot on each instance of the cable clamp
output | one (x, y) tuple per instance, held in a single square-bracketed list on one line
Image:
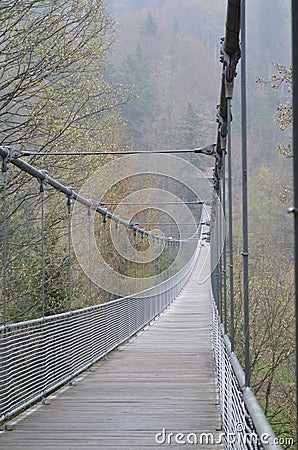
[(92, 205), (5, 161), (229, 68), (135, 229), (222, 130), (15, 154), (222, 124), (215, 182), (117, 219), (10, 154), (89, 207), (209, 150), (69, 200), (43, 181), (104, 215)]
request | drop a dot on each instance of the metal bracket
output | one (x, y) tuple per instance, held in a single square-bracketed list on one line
[(117, 218), (209, 150), (43, 181), (6, 152), (69, 200), (104, 216), (15, 154), (135, 229), (222, 125), (293, 210), (11, 154), (5, 161), (218, 158), (229, 66), (6, 156), (216, 179), (93, 205)]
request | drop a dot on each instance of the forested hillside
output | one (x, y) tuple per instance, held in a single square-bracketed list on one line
[(168, 51), (55, 96)]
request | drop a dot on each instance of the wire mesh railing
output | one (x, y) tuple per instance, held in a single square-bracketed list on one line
[(242, 428), (244, 424), (237, 425), (40, 355)]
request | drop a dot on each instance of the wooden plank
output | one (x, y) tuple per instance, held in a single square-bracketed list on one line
[(163, 379)]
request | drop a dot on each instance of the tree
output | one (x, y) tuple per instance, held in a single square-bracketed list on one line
[(140, 112), (149, 26), (55, 95), (283, 116), (176, 26), (271, 297), (55, 92)]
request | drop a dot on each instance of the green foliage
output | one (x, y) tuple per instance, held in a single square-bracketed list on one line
[(282, 78), (55, 95), (271, 299), (136, 72), (272, 325), (191, 129), (269, 221)]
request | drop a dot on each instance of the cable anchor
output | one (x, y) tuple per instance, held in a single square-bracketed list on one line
[(5, 161), (209, 150), (293, 210), (43, 181), (69, 200)]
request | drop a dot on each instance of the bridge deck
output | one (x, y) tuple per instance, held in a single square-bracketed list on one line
[(162, 379)]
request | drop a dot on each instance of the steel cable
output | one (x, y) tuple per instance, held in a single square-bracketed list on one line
[(231, 235), (70, 280), (244, 194)]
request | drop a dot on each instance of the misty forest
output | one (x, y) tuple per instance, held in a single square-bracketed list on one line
[(144, 75)]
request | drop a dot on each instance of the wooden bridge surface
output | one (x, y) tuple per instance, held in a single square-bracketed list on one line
[(161, 379)]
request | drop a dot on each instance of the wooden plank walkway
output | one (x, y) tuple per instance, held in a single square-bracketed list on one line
[(162, 379)]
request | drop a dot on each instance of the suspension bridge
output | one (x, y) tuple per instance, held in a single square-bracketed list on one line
[(153, 365)]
